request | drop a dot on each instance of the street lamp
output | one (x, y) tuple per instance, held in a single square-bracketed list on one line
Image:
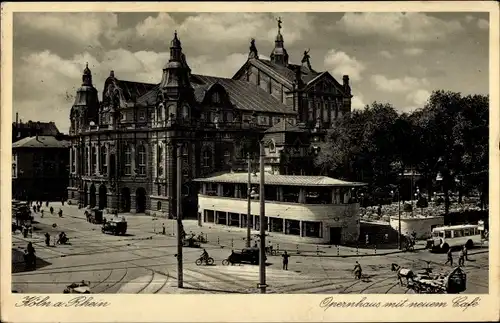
[(249, 200), (399, 218), (262, 256)]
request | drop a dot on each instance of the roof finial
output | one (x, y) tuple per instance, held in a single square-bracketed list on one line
[(279, 23), (87, 64)]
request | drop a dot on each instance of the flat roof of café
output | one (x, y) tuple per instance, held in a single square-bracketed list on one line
[(272, 179)]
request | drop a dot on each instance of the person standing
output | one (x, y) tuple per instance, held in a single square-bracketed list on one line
[(163, 229), (461, 258), (31, 255), (47, 239), (367, 239), (285, 256), (465, 253), (449, 257)]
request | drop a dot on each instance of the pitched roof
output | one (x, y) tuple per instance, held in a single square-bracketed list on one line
[(288, 72), (149, 97), (245, 95), (134, 89), (284, 126), (44, 128), (271, 179), (41, 142)]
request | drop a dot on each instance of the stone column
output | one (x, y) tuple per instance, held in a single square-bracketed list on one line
[(220, 190), (108, 159), (300, 228), (333, 195), (134, 159), (239, 221), (98, 159), (77, 158), (284, 227), (204, 188), (227, 218), (72, 149), (89, 160)]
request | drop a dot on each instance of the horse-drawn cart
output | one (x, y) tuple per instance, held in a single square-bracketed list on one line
[(426, 283)]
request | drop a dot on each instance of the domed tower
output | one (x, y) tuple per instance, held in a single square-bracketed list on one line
[(86, 106), (279, 55), (175, 78)]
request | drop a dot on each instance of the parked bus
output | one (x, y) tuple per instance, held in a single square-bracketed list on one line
[(454, 236)]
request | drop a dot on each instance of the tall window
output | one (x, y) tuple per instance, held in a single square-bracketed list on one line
[(142, 159), (103, 160), (85, 161), (185, 161), (160, 161), (207, 158), (128, 160), (14, 166), (215, 98), (94, 160), (73, 160)]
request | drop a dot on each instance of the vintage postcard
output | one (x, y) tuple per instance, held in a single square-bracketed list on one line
[(182, 162)]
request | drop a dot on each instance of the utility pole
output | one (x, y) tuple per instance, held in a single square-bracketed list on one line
[(399, 221), (263, 224), (180, 278), (249, 201)]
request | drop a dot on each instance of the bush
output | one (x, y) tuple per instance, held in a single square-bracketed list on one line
[(422, 202), (407, 207)]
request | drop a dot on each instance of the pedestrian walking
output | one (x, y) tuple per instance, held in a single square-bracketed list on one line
[(51, 210), (461, 258), (163, 229), (449, 257), (367, 239), (60, 213), (47, 203), (41, 213), (47, 239), (285, 256), (34, 209), (465, 253)]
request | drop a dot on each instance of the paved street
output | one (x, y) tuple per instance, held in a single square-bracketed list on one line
[(143, 261)]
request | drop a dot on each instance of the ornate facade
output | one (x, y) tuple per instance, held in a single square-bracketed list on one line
[(123, 154)]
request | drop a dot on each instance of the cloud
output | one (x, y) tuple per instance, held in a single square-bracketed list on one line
[(386, 54), (483, 24), (73, 28), (418, 97), (212, 30), (413, 51), (404, 27), (357, 101), (469, 18), (340, 63), (404, 84)]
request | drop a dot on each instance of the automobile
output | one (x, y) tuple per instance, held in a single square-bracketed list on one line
[(114, 227), (78, 288), (247, 255)]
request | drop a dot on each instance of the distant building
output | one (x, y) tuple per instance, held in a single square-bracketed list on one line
[(123, 154), (312, 209), (40, 168), (22, 130)]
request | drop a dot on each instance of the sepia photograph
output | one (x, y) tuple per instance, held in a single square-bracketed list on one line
[(185, 152)]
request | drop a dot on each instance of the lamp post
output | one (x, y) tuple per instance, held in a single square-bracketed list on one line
[(417, 197), (262, 256), (249, 200), (180, 277), (399, 218)]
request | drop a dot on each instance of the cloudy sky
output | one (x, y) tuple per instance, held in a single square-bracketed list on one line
[(390, 57)]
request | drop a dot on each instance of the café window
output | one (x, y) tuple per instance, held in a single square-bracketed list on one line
[(263, 120), (312, 229)]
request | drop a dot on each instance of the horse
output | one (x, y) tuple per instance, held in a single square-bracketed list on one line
[(403, 273)]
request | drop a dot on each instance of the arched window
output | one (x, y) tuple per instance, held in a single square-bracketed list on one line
[(141, 150), (185, 113), (128, 160), (104, 160), (159, 113), (207, 158), (159, 160)]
